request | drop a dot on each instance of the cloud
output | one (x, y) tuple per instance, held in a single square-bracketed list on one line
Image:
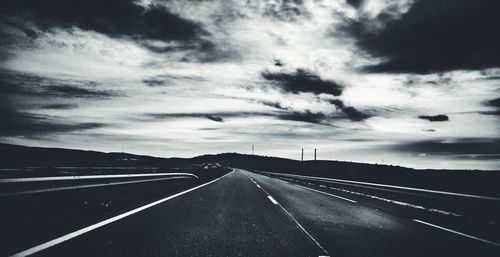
[(285, 10), (276, 105), (432, 36), (17, 123), (75, 91), (25, 99), (350, 112), (279, 63), (305, 116), (115, 18), (355, 3), (59, 106), (215, 118), (473, 147), (495, 103), (27, 84), (303, 81), (436, 118), (154, 82), (302, 116)]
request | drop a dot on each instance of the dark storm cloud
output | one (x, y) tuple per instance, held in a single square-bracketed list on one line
[(19, 91), (355, 3), (433, 36), (436, 118), (482, 147), (169, 79), (279, 63), (112, 17), (303, 81), (18, 123), (306, 116), (276, 105), (59, 106), (154, 82), (217, 116), (24, 84), (350, 112), (74, 91), (495, 103)]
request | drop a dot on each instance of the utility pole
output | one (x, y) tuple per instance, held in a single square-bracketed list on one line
[(302, 157), (315, 153), (253, 149)]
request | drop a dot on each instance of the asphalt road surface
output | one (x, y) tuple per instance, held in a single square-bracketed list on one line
[(246, 214)]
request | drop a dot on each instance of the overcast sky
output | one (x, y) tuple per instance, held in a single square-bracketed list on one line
[(412, 83)]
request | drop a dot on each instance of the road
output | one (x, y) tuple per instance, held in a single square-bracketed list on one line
[(247, 214)]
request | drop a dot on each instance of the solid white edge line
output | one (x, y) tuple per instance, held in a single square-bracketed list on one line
[(303, 229), (272, 199), (456, 232), (325, 193), (79, 232)]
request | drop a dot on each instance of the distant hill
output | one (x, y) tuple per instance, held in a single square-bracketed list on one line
[(487, 182), (467, 181), (16, 156)]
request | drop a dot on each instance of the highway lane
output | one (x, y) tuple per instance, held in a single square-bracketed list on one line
[(246, 214), (32, 218), (230, 217), (346, 227)]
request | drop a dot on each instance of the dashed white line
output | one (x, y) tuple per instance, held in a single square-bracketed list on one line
[(332, 195), (297, 224), (79, 232), (456, 232), (272, 199), (383, 185)]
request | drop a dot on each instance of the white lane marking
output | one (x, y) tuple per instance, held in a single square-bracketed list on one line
[(325, 193), (303, 229), (272, 199), (458, 233), (18, 180), (87, 186), (388, 186), (289, 215), (322, 186), (79, 232), (398, 202)]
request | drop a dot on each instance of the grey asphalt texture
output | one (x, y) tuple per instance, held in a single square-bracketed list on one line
[(235, 217)]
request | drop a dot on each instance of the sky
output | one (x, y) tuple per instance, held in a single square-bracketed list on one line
[(410, 82)]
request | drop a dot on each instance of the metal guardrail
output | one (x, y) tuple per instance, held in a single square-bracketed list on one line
[(83, 177)]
